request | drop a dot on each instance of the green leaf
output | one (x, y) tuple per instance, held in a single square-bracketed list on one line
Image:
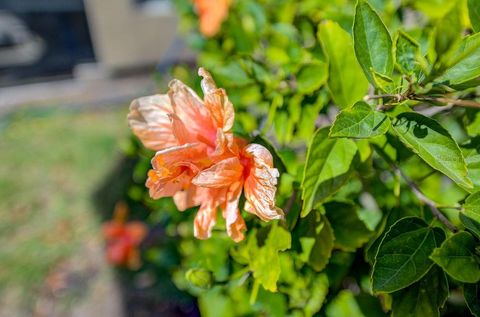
[(327, 168), (471, 292), (349, 230), (463, 66), (472, 206), (346, 81), (315, 237), (311, 77), (471, 225), (433, 144), (457, 257), (403, 255), (360, 121), (372, 42), (474, 14), (343, 305), (319, 291), (264, 260), (407, 53), (424, 298)]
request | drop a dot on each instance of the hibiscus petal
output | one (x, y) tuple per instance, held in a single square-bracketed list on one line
[(217, 102), (189, 107), (190, 197), (260, 183), (205, 220), (149, 121), (234, 221), (222, 174), (173, 169)]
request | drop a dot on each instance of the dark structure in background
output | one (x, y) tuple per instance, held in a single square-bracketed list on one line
[(42, 39)]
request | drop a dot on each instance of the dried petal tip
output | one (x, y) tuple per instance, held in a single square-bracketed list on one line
[(208, 84)]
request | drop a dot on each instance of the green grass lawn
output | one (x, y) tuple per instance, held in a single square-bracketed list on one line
[(51, 161)]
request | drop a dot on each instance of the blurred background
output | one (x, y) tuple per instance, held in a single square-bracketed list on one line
[(68, 71)]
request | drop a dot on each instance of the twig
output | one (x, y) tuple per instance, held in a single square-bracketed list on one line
[(427, 201), (417, 192), (410, 96), (456, 102)]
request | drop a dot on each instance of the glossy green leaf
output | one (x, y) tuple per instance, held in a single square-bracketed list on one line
[(360, 121), (311, 77), (463, 66), (472, 207), (471, 292), (433, 144), (349, 230), (403, 255), (327, 168), (407, 53), (346, 80), (424, 298), (372, 42), (457, 257), (315, 237), (474, 14)]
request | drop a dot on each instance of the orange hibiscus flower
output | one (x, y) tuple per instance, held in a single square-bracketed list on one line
[(211, 13), (123, 238), (199, 162)]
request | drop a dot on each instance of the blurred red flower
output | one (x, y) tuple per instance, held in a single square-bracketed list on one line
[(211, 13), (123, 238)]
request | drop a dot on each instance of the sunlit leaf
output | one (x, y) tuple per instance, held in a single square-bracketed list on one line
[(434, 144), (360, 121), (372, 42), (463, 66), (327, 168), (346, 80)]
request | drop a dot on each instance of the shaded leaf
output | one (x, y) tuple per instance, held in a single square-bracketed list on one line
[(433, 144), (346, 80), (403, 255), (471, 225), (424, 298), (360, 121), (457, 257), (372, 42), (343, 305), (327, 168), (474, 14), (315, 236), (471, 292), (311, 77), (349, 230)]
